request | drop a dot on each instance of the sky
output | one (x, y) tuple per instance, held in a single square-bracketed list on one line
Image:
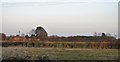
[(63, 18)]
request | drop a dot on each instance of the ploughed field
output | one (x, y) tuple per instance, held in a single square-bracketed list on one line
[(40, 53)]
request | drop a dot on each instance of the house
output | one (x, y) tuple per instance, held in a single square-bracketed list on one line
[(41, 33), (2, 36)]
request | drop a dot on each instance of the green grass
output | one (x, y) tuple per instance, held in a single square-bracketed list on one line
[(60, 53)]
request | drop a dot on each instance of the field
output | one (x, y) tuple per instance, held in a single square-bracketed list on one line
[(38, 53)]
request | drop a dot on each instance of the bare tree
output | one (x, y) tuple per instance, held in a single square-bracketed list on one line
[(32, 32), (95, 34), (108, 34)]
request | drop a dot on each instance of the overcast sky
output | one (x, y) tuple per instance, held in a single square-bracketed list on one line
[(60, 17)]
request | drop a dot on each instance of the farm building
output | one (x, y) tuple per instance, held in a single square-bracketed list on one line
[(2, 36), (41, 33)]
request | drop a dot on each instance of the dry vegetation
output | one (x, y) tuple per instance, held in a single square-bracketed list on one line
[(37, 53), (91, 45)]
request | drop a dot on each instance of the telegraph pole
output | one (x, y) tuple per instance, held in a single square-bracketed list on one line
[(19, 33)]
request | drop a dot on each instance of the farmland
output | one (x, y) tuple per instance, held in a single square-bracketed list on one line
[(39, 53)]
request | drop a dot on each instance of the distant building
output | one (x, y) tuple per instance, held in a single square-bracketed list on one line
[(41, 33), (2, 36), (18, 38)]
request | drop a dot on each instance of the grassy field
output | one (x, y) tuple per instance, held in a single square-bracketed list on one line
[(31, 53)]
